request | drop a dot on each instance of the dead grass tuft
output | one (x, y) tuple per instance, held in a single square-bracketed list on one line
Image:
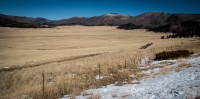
[(125, 95), (182, 65), (115, 94), (95, 96), (165, 70)]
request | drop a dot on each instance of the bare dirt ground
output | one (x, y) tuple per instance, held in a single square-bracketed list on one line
[(69, 56)]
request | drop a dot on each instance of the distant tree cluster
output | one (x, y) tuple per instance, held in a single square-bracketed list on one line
[(18, 25), (188, 29), (129, 26), (146, 46), (164, 28), (24, 25), (185, 29)]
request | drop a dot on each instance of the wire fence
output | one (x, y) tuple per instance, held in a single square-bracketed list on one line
[(43, 86), (8, 94), (17, 93)]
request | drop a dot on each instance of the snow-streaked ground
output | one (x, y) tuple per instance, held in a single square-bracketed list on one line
[(174, 85)]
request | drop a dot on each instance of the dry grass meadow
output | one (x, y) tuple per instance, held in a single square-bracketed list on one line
[(70, 57)]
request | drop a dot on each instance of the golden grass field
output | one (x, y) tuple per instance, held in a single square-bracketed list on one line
[(70, 55)]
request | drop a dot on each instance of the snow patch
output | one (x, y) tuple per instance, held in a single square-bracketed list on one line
[(6, 67), (174, 85), (101, 77), (132, 75)]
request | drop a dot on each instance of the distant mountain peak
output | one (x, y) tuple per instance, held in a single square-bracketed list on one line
[(78, 17), (146, 20), (154, 13), (113, 14)]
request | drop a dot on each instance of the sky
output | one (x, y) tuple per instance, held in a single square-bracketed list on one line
[(63, 9)]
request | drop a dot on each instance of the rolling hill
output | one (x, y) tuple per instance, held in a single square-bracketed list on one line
[(147, 20)]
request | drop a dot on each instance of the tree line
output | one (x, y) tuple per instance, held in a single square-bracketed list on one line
[(24, 25), (190, 28), (129, 26)]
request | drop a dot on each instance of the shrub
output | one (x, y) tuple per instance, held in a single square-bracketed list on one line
[(172, 54), (145, 46)]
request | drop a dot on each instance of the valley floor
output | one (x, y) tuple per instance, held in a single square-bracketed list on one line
[(68, 60)]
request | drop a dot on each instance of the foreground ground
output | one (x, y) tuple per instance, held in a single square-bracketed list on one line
[(175, 84), (70, 57)]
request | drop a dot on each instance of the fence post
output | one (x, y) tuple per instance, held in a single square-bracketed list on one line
[(99, 71), (145, 61), (125, 64), (43, 82)]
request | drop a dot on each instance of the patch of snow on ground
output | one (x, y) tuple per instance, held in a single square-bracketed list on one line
[(175, 85), (6, 67), (132, 75), (101, 77), (163, 61), (144, 61)]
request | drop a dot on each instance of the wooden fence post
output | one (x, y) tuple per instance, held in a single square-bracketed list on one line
[(99, 71), (125, 64), (43, 82)]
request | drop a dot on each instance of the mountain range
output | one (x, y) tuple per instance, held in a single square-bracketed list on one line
[(145, 20)]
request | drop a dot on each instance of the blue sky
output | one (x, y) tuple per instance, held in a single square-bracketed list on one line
[(62, 9)]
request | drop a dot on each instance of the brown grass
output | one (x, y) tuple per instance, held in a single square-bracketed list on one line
[(166, 69), (182, 65), (68, 70)]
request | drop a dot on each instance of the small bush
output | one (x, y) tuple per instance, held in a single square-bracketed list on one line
[(145, 46), (172, 54)]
